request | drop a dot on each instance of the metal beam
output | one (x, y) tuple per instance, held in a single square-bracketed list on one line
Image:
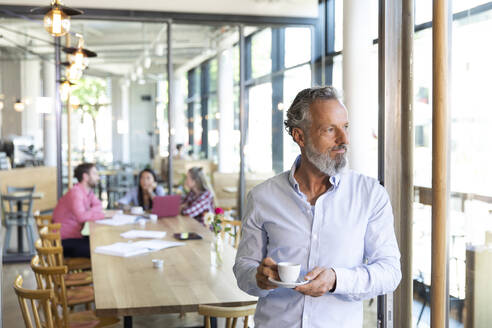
[(278, 56), (58, 117), (160, 16), (242, 122), (170, 114)]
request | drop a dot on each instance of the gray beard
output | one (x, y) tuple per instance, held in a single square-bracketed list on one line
[(324, 162)]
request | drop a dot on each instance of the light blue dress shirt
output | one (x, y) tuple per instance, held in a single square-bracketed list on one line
[(349, 229), (131, 197)]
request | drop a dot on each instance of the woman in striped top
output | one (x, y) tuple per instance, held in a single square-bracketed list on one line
[(200, 198)]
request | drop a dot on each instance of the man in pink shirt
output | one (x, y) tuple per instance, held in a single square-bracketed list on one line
[(76, 207)]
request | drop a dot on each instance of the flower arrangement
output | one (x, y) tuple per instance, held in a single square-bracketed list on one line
[(214, 221)]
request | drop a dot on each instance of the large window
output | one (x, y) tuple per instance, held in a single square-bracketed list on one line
[(294, 81), (470, 206)]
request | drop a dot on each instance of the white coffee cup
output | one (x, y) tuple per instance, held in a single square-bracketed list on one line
[(153, 218), (158, 263), (142, 222), (137, 210), (288, 271)]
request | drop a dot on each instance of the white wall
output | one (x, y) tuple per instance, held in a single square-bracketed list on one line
[(11, 88)]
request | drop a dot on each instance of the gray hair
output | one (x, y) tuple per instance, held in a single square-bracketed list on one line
[(298, 115)]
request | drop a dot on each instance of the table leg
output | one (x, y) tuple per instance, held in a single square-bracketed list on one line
[(20, 246), (213, 322), (128, 322)]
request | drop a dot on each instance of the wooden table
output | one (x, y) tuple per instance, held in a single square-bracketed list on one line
[(131, 286)]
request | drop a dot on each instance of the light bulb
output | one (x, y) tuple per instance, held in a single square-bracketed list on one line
[(147, 62), (56, 22), (64, 90), (79, 59), (19, 106), (74, 73)]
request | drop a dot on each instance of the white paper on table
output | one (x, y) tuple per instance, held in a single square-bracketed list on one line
[(156, 244), (136, 248), (143, 234), (118, 219), (121, 249)]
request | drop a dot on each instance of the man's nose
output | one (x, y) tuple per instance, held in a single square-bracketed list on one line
[(343, 137)]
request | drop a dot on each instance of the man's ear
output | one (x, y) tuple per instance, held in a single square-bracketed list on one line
[(298, 136)]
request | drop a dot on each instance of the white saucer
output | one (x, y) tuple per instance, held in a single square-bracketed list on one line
[(288, 284)]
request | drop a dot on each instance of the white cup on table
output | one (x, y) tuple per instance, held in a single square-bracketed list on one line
[(153, 218), (136, 210)]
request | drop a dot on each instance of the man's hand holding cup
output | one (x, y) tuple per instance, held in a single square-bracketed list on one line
[(267, 268)]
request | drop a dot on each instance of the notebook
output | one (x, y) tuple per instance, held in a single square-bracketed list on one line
[(166, 206)]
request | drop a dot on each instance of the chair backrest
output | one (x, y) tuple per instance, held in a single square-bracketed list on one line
[(39, 299), (50, 238), (49, 256), (19, 207), (52, 277), (11, 189), (227, 312), (42, 220)]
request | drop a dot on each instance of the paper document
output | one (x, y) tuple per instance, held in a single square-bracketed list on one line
[(132, 234), (136, 248), (119, 219)]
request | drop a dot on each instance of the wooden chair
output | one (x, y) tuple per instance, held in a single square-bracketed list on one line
[(227, 312), (39, 299), (236, 225), (52, 278), (46, 220), (53, 256), (53, 239), (48, 276)]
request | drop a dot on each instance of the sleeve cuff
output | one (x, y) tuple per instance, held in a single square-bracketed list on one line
[(344, 281)]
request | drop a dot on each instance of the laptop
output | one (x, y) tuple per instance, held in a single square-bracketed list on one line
[(166, 206)]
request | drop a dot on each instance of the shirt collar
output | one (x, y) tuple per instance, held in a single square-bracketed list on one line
[(82, 188), (334, 180)]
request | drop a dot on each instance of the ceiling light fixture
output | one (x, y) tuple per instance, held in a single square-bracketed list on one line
[(79, 56), (57, 17), (19, 106), (65, 88)]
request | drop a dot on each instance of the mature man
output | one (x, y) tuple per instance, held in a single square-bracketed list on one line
[(336, 223), (76, 207)]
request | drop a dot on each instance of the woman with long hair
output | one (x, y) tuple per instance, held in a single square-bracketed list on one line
[(200, 198), (144, 193)]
